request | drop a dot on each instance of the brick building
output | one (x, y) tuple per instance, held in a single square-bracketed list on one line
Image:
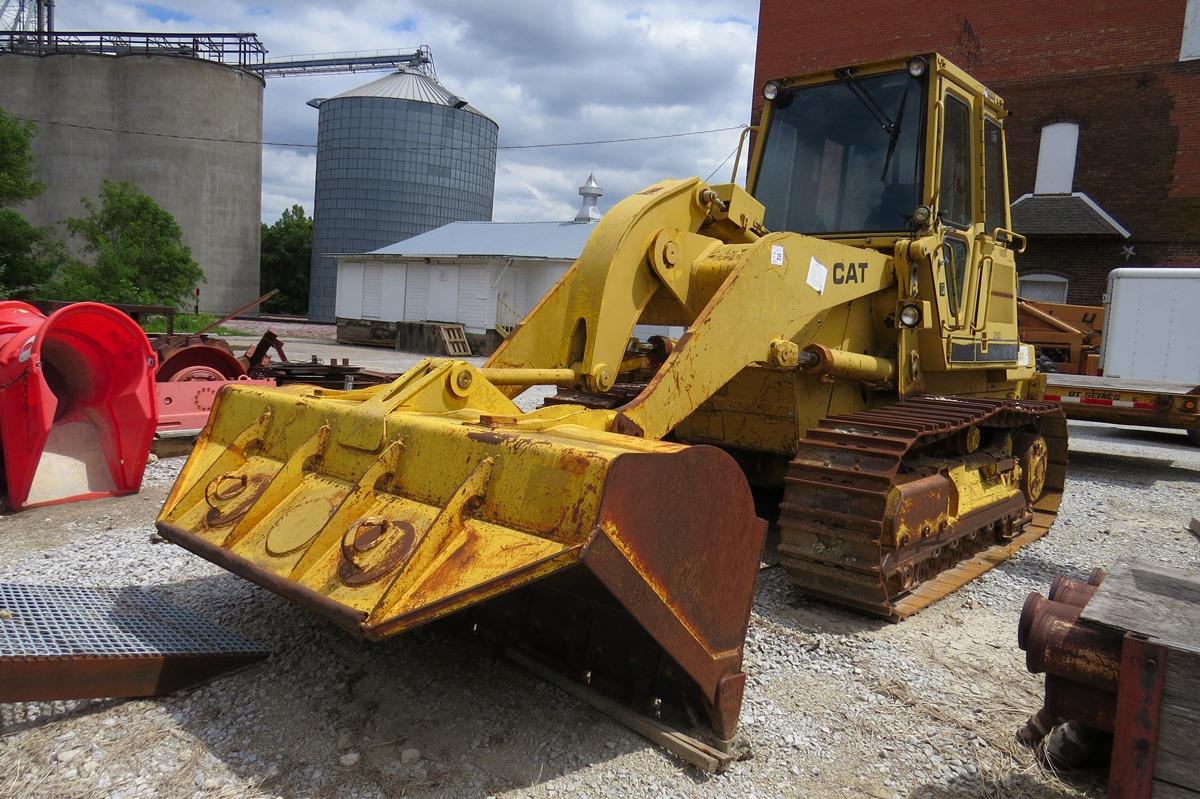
[(1104, 136)]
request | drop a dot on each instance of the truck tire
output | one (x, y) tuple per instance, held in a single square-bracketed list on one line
[(1194, 436)]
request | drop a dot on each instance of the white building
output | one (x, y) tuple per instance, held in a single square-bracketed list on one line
[(485, 276)]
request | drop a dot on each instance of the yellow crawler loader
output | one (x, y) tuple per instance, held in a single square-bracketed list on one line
[(851, 343)]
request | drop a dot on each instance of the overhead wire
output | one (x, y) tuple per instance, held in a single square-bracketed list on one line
[(267, 143), (726, 161)]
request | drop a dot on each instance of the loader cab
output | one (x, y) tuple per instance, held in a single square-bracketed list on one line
[(906, 149), (881, 150), (843, 157)]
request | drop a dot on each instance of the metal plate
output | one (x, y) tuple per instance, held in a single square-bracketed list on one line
[(66, 642)]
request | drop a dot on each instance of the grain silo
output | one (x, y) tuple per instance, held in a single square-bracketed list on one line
[(180, 115), (395, 157)]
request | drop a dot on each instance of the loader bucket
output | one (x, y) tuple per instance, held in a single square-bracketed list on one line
[(627, 564), (77, 403)]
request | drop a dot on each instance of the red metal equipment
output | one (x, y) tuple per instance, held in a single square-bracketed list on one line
[(1081, 663), (191, 370), (77, 403), (193, 367), (184, 405), (1104, 684)]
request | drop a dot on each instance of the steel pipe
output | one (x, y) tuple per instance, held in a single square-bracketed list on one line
[(1071, 592), (1035, 606), (850, 365), (1085, 704), (528, 377), (1076, 651)]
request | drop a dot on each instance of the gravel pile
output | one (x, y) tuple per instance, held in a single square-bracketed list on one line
[(836, 704)]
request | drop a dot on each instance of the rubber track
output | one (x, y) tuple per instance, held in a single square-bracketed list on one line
[(834, 515)]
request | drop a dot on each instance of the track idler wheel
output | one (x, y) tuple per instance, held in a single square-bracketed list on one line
[(1034, 456)]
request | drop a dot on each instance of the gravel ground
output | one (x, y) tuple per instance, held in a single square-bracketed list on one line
[(836, 704), (297, 330)]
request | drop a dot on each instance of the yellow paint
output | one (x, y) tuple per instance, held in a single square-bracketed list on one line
[(440, 484)]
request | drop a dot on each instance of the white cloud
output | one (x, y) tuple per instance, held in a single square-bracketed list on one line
[(288, 177), (544, 70)]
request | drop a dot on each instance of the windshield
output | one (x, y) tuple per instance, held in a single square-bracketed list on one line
[(830, 164)]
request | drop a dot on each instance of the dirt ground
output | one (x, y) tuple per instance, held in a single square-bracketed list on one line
[(836, 704)]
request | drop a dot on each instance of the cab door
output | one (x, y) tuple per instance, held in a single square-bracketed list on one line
[(956, 206), (967, 262)]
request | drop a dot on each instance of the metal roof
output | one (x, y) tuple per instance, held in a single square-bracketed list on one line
[(549, 240), (1066, 215), (405, 84)]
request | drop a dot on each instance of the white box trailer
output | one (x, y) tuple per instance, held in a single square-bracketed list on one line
[(1152, 325), (1149, 355)]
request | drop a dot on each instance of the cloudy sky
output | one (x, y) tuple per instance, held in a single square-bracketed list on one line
[(547, 71)]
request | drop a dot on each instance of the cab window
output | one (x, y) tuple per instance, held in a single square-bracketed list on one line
[(993, 164), (955, 253), (955, 190), (844, 157)]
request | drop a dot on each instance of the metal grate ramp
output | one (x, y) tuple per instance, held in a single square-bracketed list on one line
[(65, 642)]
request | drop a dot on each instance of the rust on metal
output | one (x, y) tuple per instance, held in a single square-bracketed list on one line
[(589, 581), (1083, 662), (1074, 650), (1139, 701), (344, 617), (361, 564), (71, 642), (871, 518), (1035, 606), (1071, 592), (697, 608), (231, 496), (1085, 704)]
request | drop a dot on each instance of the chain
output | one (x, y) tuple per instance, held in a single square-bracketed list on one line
[(23, 376)]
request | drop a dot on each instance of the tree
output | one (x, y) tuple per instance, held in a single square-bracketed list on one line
[(286, 254), (26, 252), (136, 250)]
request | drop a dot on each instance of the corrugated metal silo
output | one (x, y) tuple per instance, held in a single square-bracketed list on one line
[(396, 157)]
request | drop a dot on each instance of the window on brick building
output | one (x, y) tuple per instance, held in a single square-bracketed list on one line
[(1056, 159), (1043, 287), (1190, 49)]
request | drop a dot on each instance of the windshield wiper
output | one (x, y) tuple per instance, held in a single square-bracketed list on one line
[(894, 135), (890, 126), (857, 89)]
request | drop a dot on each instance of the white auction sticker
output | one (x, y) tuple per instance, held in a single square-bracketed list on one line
[(817, 274), (776, 255)]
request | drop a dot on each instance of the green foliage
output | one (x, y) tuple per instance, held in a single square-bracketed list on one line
[(188, 323), (27, 254), (286, 254), (137, 253), (16, 161)]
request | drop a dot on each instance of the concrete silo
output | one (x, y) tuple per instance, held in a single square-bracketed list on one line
[(204, 164), (395, 157)]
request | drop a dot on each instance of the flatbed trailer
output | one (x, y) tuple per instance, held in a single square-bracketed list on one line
[(1149, 403)]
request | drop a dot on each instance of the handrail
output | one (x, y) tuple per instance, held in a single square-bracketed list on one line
[(242, 50)]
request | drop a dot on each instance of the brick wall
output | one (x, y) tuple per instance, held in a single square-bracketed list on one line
[(1110, 66), (1086, 263), (1010, 41)]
